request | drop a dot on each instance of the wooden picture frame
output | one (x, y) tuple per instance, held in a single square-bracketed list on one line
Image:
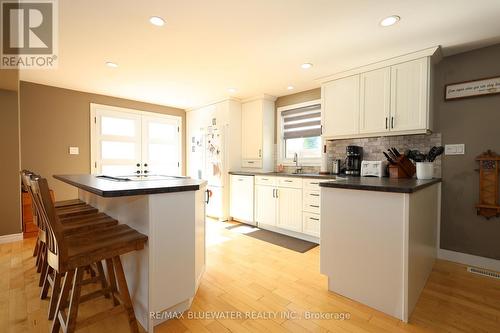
[(473, 88)]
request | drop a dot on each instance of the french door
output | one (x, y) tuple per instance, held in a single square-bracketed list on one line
[(127, 142)]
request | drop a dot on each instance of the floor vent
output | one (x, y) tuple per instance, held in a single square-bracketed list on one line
[(484, 272)]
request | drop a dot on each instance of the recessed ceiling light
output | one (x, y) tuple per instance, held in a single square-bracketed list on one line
[(391, 20), (290, 87), (111, 64), (231, 90), (306, 65), (156, 20)]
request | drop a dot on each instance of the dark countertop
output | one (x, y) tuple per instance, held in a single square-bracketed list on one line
[(283, 174), (384, 184), (113, 188), (402, 185)]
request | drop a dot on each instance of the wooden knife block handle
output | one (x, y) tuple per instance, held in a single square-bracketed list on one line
[(403, 168)]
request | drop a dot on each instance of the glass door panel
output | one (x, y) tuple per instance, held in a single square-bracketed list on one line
[(161, 146), (117, 143)]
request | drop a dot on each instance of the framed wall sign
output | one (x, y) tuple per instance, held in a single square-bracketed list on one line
[(486, 86)]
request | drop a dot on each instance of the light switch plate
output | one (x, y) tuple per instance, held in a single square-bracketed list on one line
[(455, 149), (74, 150)]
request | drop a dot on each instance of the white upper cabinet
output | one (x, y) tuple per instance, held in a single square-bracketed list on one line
[(251, 130), (257, 133), (410, 95), (340, 115), (387, 98), (375, 101)]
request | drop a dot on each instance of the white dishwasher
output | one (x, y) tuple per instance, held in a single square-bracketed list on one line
[(242, 198)]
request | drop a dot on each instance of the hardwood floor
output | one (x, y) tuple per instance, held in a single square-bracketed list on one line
[(245, 275)]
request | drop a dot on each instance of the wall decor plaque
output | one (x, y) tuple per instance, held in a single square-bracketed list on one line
[(480, 87)]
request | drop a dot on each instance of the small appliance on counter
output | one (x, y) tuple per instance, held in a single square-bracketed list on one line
[(336, 167), (374, 168), (353, 160)]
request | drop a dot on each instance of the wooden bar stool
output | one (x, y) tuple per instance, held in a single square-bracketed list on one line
[(73, 224), (70, 255)]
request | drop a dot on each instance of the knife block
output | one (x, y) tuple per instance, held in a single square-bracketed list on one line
[(403, 168)]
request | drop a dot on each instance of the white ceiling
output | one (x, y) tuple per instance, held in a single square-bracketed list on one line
[(255, 46)]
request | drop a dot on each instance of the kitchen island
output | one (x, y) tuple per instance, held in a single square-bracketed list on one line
[(379, 239), (163, 277)]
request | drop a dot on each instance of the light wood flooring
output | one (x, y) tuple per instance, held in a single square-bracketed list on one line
[(248, 276)]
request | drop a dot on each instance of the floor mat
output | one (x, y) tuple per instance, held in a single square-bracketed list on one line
[(291, 243)]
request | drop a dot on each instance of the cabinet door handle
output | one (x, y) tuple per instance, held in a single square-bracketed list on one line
[(313, 218), (386, 119), (260, 152), (392, 122), (314, 195), (277, 193), (273, 193), (314, 206)]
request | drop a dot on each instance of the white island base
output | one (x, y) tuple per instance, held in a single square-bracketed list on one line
[(164, 276), (378, 248)]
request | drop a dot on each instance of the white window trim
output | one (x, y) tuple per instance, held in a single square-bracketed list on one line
[(95, 106), (281, 142)]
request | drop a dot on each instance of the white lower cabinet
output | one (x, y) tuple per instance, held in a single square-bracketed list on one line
[(289, 204), (311, 224), (242, 198), (265, 204), (289, 208)]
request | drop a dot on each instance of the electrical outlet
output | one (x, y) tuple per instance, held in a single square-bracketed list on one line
[(74, 151), (455, 149)]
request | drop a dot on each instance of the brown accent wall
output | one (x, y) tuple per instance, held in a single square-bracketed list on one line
[(476, 123), (52, 119), (10, 194)]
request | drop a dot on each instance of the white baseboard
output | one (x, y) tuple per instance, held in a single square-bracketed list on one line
[(11, 238), (469, 259)]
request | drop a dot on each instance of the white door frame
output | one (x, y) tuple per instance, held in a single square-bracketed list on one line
[(93, 129)]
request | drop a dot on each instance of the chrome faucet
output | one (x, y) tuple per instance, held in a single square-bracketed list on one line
[(298, 169)]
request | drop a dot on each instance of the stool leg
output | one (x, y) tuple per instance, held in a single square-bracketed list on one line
[(74, 300), (35, 250), (46, 283), (43, 270), (102, 278), (112, 280), (62, 302), (125, 296), (54, 298)]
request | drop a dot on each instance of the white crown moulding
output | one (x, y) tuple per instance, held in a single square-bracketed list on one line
[(434, 52)]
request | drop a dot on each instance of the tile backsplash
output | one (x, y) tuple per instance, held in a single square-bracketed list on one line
[(373, 148)]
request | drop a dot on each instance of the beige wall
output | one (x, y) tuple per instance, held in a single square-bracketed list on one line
[(52, 119), (10, 195)]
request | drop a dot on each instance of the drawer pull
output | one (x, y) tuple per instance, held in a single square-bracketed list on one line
[(265, 178), (288, 181), (314, 183), (250, 162), (314, 206), (314, 195), (313, 218)]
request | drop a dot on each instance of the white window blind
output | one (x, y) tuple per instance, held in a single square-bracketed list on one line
[(302, 122)]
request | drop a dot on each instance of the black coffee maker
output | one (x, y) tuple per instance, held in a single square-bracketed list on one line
[(353, 160)]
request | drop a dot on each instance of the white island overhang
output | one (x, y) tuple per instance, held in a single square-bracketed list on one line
[(163, 277)]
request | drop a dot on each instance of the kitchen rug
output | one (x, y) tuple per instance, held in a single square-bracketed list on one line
[(291, 243)]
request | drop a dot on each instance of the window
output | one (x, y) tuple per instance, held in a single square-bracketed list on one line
[(299, 129)]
